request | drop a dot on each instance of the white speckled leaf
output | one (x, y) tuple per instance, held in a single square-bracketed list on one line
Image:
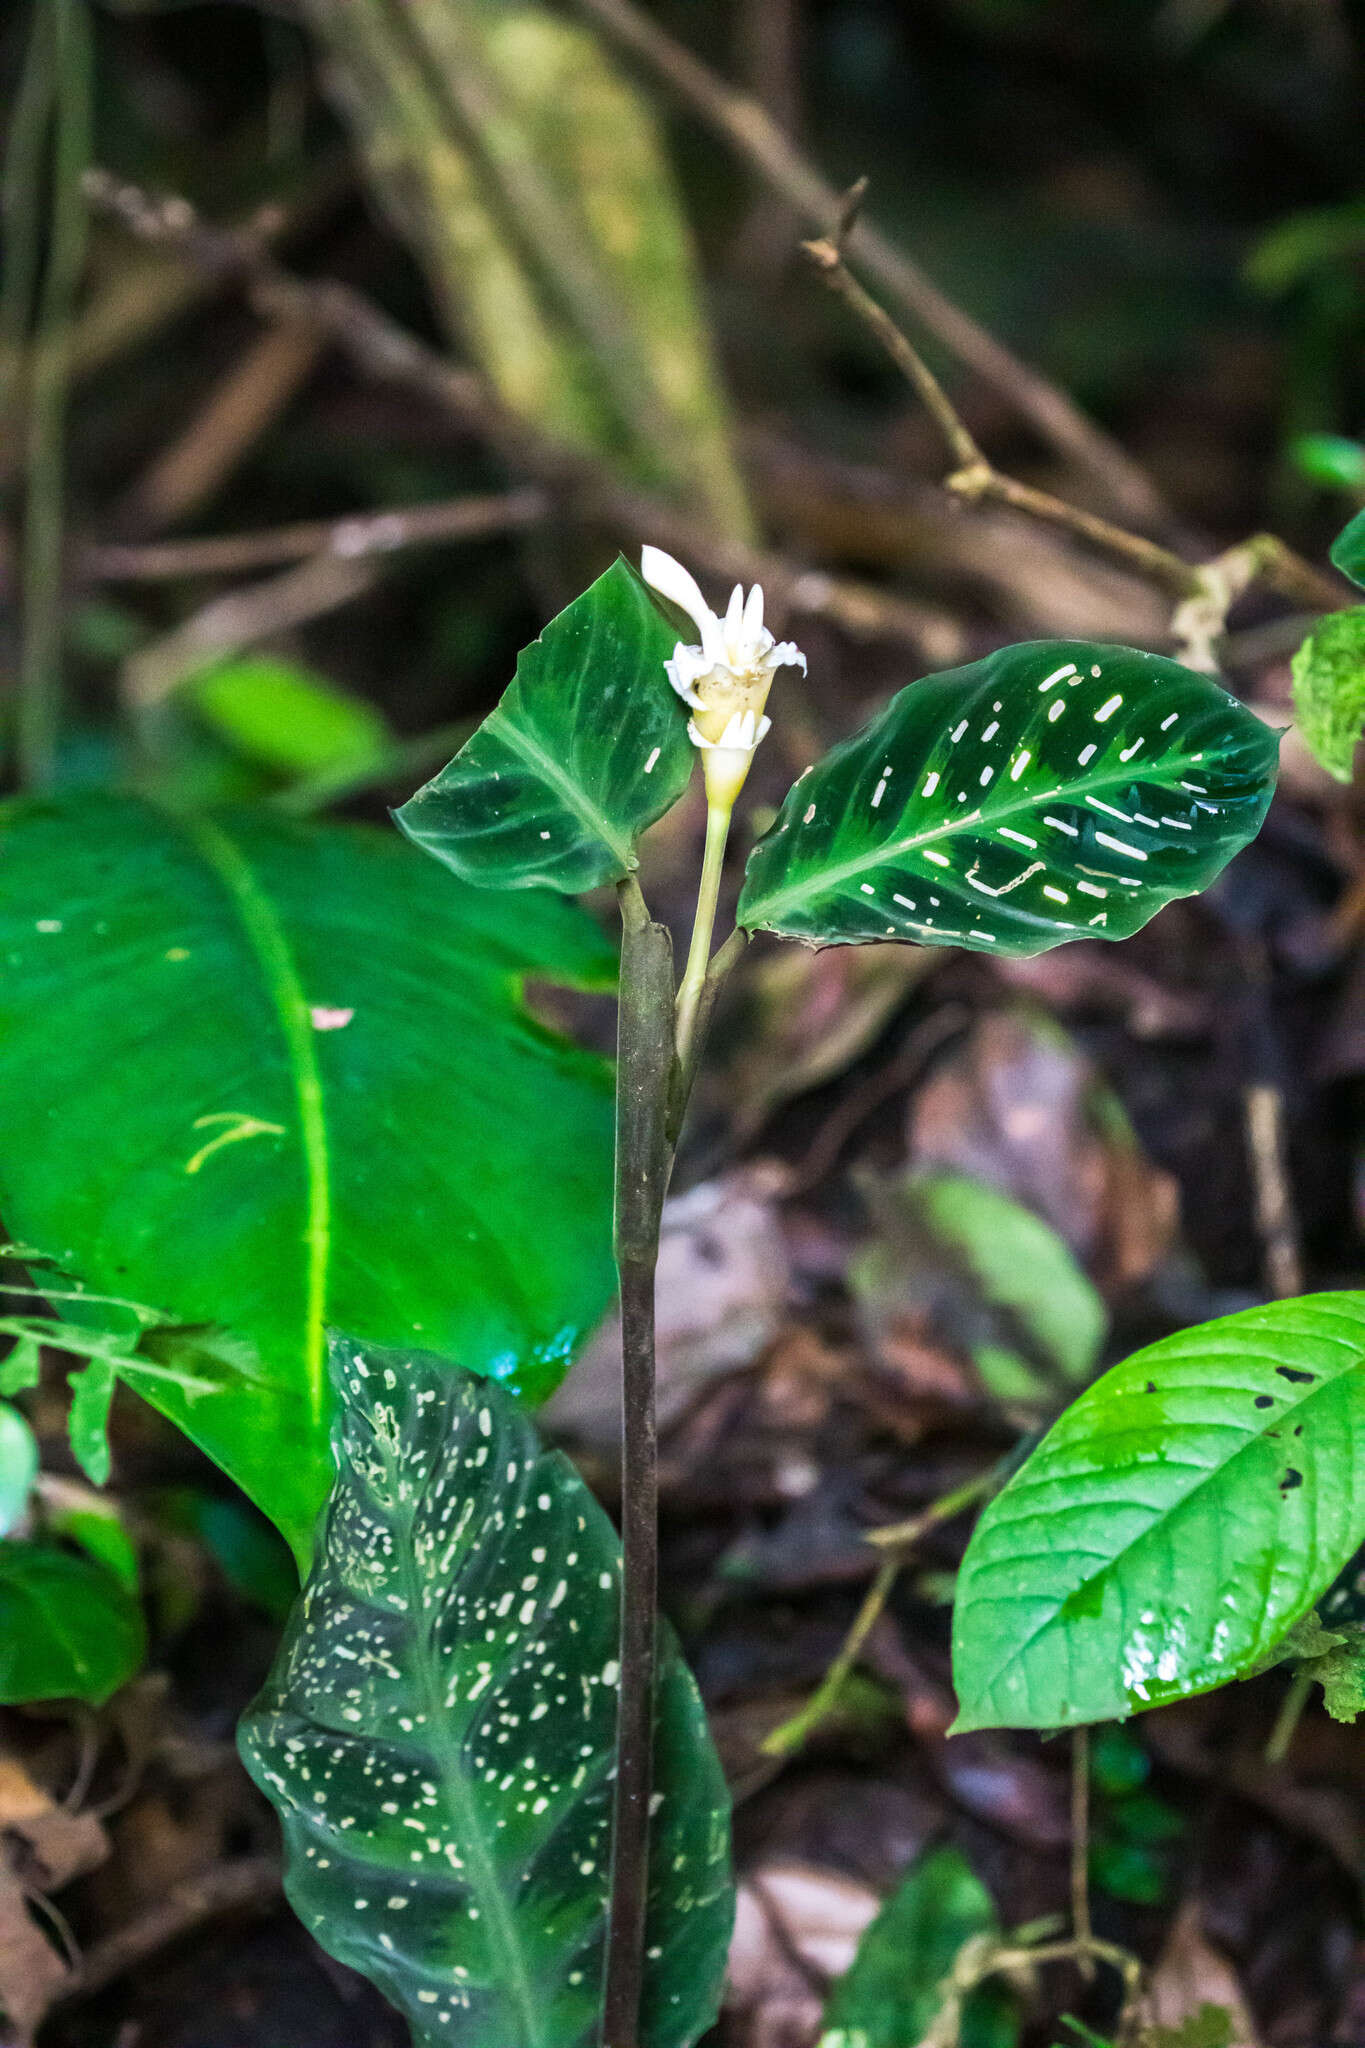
[(1184, 1512), (1055, 790), (587, 746), (437, 1731)]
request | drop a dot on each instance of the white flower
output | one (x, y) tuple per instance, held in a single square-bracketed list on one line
[(724, 679)]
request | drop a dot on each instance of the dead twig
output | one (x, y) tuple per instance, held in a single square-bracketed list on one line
[(358, 535), (1204, 591), (251, 1883), (381, 349), (751, 130)]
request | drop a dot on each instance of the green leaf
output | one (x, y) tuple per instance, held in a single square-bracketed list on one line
[(18, 1466), (290, 1088), (92, 1522), (437, 1732), (285, 716), (68, 1630), (1175, 1522), (92, 1394), (1329, 689), (587, 747), (1348, 550), (22, 1367), (1031, 1306), (1333, 1658), (1055, 790), (895, 1985), (1330, 459)]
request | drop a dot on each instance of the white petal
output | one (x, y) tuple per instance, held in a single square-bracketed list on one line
[(683, 670), (753, 613), (785, 655), (679, 585), (734, 613)]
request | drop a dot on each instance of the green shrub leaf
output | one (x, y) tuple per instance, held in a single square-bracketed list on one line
[(587, 747), (437, 1732), (1348, 550), (290, 1088), (1053, 791), (894, 1988), (286, 717), (68, 1629), (1329, 689), (1175, 1522)]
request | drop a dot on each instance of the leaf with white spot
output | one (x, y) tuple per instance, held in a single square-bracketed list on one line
[(587, 746), (437, 1732), (1175, 1522), (1056, 790)]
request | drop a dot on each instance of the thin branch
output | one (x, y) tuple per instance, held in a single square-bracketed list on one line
[(753, 133), (1204, 590), (1081, 1928), (383, 350), (353, 537)]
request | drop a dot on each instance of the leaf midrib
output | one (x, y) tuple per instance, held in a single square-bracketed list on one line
[(1066, 792), (265, 935), (522, 742), (1211, 1474)]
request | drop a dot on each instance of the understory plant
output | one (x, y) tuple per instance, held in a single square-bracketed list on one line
[(499, 1796)]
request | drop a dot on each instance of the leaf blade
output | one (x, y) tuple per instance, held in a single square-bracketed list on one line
[(1329, 689), (1172, 1525), (1054, 790), (586, 748), (1348, 550), (426, 1652), (68, 1629)]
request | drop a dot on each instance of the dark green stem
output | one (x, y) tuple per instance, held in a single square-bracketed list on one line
[(644, 1156)]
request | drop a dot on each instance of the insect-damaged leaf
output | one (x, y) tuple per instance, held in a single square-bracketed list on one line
[(1055, 790), (1169, 1529), (437, 1732), (587, 746)]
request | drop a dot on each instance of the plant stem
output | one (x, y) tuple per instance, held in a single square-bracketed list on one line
[(1081, 1928), (645, 1063), (699, 953)]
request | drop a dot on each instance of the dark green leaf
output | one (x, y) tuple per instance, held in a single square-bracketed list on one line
[(587, 747), (1169, 1529), (438, 1730), (1055, 790), (1348, 550), (1329, 689), (290, 1087), (18, 1466), (68, 1630), (92, 1522), (894, 1987), (22, 1366)]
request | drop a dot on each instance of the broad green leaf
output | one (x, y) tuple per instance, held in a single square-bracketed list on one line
[(1055, 790), (1329, 689), (437, 1732), (1030, 1315), (587, 747), (1348, 550), (92, 1522), (22, 1366), (284, 716), (290, 1088), (68, 1629), (894, 1987), (1330, 459), (18, 1466), (1175, 1522)]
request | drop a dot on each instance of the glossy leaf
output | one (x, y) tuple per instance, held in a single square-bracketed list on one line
[(1348, 550), (1055, 790), (587, 747), (68, 1629), (290, 1088), (92, 1394), (18, 1465), (437, 1731), (1170, 1528), (1329, 689), (894, 1987)]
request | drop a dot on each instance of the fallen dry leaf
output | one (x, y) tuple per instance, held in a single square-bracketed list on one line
[(797, 1927), (1190, 1974), (44, 1848)]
